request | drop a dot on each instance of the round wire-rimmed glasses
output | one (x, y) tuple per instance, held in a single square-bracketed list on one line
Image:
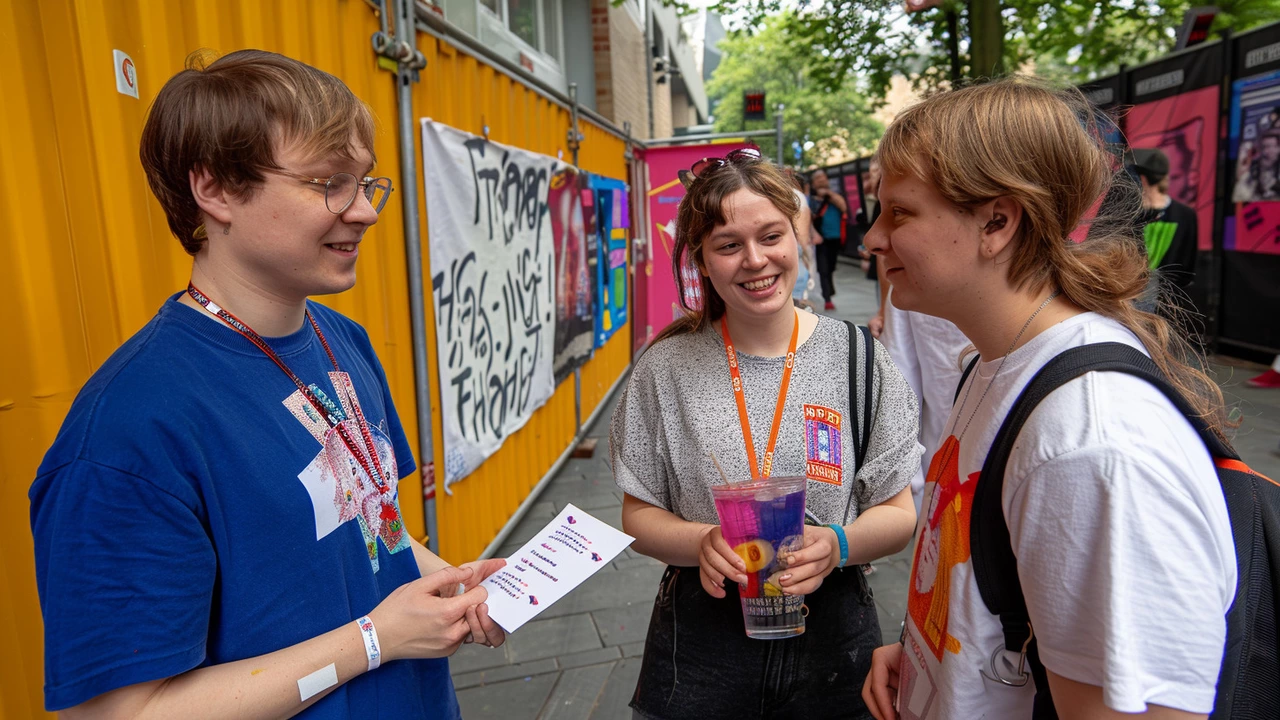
[(340, 190)]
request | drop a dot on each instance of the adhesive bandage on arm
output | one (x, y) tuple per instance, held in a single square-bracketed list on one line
[(317, 682), (371, 647)]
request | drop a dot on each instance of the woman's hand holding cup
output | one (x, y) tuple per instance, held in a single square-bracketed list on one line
[(811, 564), (718, 562)]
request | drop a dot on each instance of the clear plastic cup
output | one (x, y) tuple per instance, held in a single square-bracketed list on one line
[(763, 521)]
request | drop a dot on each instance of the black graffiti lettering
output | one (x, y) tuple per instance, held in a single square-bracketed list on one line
[(490, 177), (490, 304), (460, 384), (506, 301)]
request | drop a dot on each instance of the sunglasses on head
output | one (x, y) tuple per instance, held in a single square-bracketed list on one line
[(699, 169)]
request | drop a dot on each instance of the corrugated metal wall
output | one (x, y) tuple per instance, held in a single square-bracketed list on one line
[(89, 257), (458, 90)]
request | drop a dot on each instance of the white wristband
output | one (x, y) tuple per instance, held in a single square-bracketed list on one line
[(371, 648)]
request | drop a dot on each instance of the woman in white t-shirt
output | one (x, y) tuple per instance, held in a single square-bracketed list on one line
[(765, 390), (1115, 515)]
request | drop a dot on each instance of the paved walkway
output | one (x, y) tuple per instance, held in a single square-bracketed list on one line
[(581, 657)]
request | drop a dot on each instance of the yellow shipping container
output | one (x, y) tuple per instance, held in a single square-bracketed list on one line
[(90, 257)]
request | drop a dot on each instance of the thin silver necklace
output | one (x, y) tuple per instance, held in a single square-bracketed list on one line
[(1012, 345)]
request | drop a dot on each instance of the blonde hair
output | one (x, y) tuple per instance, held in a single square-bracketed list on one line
[(701, 211), (1043, 148)]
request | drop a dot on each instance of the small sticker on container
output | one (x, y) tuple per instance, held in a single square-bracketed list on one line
[(126, 74), (429, 481)]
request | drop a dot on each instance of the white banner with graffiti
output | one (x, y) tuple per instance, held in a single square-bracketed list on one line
[(492, 265)]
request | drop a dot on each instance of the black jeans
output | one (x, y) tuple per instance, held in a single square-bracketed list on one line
[(828, 254), (699, 663)]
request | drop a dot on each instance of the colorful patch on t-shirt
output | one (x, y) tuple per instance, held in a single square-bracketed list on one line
[(822, 445), (339, 487)]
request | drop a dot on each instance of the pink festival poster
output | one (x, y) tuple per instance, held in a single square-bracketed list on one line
[(1185, 127), (657, 303)]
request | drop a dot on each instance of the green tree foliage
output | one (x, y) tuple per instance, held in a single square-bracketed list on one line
[(1066, 40), (835, 116)]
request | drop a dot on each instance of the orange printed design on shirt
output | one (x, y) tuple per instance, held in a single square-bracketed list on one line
[(822, 445), (943, 544)]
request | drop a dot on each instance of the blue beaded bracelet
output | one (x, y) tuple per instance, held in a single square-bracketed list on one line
[(844, 543)]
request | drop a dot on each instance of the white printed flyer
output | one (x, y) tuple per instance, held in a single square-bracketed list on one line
[(566, 552)]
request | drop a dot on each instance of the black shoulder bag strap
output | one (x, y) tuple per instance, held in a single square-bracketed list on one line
[(995, 568), (815, 217), (862, 429)]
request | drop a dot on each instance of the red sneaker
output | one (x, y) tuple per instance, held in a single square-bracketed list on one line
[(832, 306), (1268, 379)]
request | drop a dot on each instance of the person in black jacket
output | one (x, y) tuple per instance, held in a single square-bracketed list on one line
[(1170, 231), (1170, 228)]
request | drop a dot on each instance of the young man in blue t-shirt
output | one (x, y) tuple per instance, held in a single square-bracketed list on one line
[(217, 528)]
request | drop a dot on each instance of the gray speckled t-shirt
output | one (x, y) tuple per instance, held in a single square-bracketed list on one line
[(678, 407)]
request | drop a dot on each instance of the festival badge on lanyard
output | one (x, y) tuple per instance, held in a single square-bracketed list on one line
[(353, 476)]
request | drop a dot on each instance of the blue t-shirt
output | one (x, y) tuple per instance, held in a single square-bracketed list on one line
[(195, 510), (829, 222)]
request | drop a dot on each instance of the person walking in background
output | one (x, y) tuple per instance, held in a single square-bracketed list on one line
[(1121, 535), (1170, 230), (217, 525), (828, 208)]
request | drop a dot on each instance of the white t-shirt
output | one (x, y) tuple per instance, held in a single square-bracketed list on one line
[(927, 350), (1120, 530)]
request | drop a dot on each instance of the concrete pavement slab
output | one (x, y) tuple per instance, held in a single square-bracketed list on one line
[(519, 699), (553, 637), (622, 625), (575, 695), (633, 650), (589, 657), (503, 673), (615, 698)]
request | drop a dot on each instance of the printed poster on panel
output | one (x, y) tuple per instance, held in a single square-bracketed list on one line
[(575, 274), (1254, 222), (655, 283), (493, 288), (1185, 127), (612, 223)]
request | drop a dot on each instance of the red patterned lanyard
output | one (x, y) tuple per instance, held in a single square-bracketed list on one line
[(366, 456), (740, 396)]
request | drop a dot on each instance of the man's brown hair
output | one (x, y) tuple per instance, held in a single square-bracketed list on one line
[(231, 116)]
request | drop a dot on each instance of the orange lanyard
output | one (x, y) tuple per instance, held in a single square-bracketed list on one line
[(741, 397)]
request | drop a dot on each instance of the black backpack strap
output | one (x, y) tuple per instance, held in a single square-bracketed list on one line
[(869, 373), (994, 566), (968, 369), (861, 429)]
